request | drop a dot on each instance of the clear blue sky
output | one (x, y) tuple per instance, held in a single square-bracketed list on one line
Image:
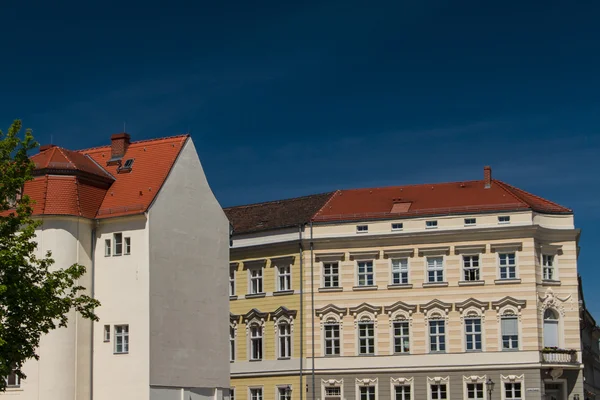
[(291, 98)]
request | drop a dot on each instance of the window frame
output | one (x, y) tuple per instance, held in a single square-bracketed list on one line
[(399, 226), (471, 259), (284, 272), (438, 391), (17, 380), (508, 266), (370, 340), (401, 336), (107, 247), (260, 279), (404, 268), (283, 389), (435, 269), (284, 342), (232, 343), (331, 275), (431, 224), (396, 383), (513, 384), (117, 243), (505, 315), (124, 335), (439, 321), (259, 338), (232, 282), (471, 221), (553, 267), (106, 334), (368, 396), (366, 274), (259, 391), (474, 334), (503, 219), (556, 322), (363, 228), (127, 246), (331, 322)]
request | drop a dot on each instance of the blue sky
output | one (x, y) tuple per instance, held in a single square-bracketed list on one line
[(291, 98)]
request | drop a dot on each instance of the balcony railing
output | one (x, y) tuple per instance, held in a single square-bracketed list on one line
[(558, 356)]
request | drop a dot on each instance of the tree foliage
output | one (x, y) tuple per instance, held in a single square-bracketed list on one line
[(34, 297)]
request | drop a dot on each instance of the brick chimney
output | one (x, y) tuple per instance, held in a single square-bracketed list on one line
[(487, 176), (118, 146)]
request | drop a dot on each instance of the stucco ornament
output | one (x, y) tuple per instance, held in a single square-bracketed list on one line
[(401, 381), (332, 382), (366, 382), (551, 300)]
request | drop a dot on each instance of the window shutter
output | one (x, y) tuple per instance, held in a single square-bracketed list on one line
[(510, 326)]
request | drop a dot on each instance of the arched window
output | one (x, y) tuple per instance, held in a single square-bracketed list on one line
[(550, 328)]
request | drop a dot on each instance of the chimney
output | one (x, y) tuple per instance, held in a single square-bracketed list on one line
[(46, 147), (487, 176), (118, 146)]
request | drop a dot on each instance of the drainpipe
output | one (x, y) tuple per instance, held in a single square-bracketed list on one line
[(93, 295), (312, 307), (301, 252)]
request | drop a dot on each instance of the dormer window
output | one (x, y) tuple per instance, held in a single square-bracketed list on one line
[(362, 228), (431, 224)]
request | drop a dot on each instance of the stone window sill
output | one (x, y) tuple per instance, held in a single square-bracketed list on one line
[(400, 286), (359, 288), (233, 297), (283, 292), (507, 281), (255, 296), (435, 284), (471, 283), (547, 282), (331, 289)]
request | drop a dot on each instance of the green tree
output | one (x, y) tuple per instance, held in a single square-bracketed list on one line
[(33, 298)]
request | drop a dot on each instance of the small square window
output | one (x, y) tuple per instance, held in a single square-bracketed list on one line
[(504, 219), (362, 228), (107, 333), (431, 224), (107, 247), (127, 246), (397, 226), (470, 221)]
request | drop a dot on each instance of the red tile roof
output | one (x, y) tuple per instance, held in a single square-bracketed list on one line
[(80, 183)]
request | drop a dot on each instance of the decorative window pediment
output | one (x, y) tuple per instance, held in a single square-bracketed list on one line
[(434, 251), (255, 263), (284, 260), (471, 302), (364, 255), (330, 308), (401, 381), (509, 301), (366, 307), (550, 248), (400, 306), (552, 301), (512, 378), (234, 319), (255, 315), (283, 312), (474, 379), (438, 380), (435, 309), (329, 257), (391, 253), (500, 247), (470, 249), (332, 382), (366, 381)]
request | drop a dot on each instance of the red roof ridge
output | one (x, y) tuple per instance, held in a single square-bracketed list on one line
[(510, 193), (137, 142), (278, 201), (510, 189), (333, 194), (415, 185)]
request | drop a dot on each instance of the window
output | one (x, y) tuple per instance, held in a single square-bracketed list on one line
[(256, 394), (366, 337), (256, 342), (333, 393), (118, 239), (331, 277), (431, 224), (365, 273), (332, 339), (232, 282), (548, 267), (107, 333), (107, 247), (127, 246), (437, 336), (128, 164), (232, 394), (121, 339), (470, 221), (402, 392), (401, 337), (504, 219), (284, 393), (438, 392), (285, 340), (398, 226), (475, 391), (512, 390), (508, 266), (256, 280), (435, 269), (510, 332), (362, 228), (231, 343), (550, 328), (367, 393), (400, 271), (12, 380), (473, 334), (284, 278), (471, 268)]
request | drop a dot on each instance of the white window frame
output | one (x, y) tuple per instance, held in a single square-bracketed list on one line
[(402, 382), (516, 265), (332, 384), (260, 395), (283, 392), (17, 383), (559, 328), (406, 323), (362, 228), (365, 274), (284, 341), (371, 340), (117, 243), (404, 269), (107, 247), (259, 337), (127, 246), (438, 381), (467, 319), (431, 224), (510, 314), (552, 267), (503, 219), (284, 275), (121, 331), (470, 221), (106, 333), (435, 268), (512, 379), (369, 396), (437, 335), (260, 278), (330, 275), (397, 226), (332, 321), (471, 258), (474, 380), (232, 283), (232, 343), (369, 384)]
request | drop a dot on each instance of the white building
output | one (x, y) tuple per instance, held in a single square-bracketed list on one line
[(143, 220)]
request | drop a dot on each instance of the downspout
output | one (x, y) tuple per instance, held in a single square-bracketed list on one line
[(301, 253), (93, 294), (312, 307)]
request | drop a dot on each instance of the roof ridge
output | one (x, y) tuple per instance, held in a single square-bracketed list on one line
[(414, 185), (503, 186), (532, 195), (278, 201), (186, 135), (333, 194), (60, 149)]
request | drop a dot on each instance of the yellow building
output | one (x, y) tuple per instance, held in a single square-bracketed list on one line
[(464, 290)]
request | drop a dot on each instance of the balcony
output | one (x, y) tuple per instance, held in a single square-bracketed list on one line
[(552, 355)]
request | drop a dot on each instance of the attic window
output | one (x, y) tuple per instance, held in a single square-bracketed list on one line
[(470, 221), (504, 219), (362, 228), (431, 224), (128, 163)]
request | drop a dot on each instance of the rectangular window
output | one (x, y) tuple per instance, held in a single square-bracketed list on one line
[(366, 338), (284, 393), (256, 280), (367, 393), (127, 246), (435, 269), (510, 333), (398, 226), (107, 333), (256, 394), (231, 343), (331, 275), (470, 221), (284, 278), (402, 392), (400, 271), (232, 282), (13, 380), (118, 239), (431, 224), (332, 339), (475, 391), (365, 273), (508, 266), (401, 337), (473, 334), (439, 392), (504, 219), (333, 393), (471, 268), (437, 336), (285, 340), (256, 342), (121, 339), (512, 391), (548, 266), (107, 247), (362, 228)]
